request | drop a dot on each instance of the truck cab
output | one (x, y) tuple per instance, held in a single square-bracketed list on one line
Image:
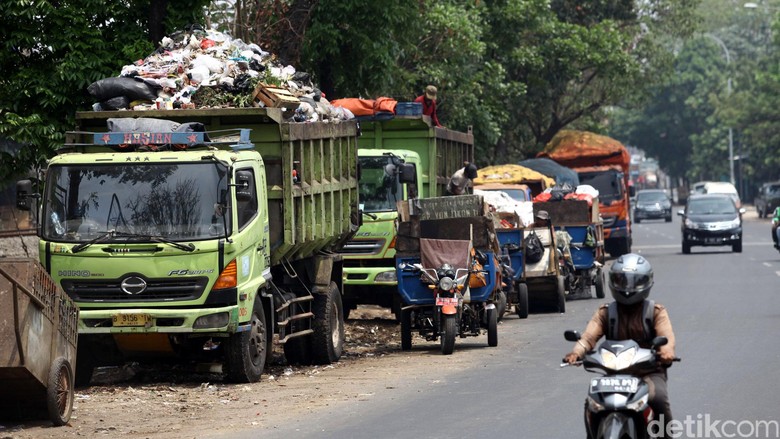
[(386, 177)]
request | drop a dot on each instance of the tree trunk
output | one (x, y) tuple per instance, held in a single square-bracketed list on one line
[(157, 12)]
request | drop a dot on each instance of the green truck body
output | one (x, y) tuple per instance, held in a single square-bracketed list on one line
[(207, 253), (436, 153)]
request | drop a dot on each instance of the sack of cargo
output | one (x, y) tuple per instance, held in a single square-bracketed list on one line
[(534, 250), (358, 107)]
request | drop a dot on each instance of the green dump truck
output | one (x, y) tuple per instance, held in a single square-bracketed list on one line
[(401, 158), (207, 246)]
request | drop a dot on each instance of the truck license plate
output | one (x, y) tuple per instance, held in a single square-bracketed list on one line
[(131, 319)]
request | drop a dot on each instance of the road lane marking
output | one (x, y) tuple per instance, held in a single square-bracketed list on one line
[(777, 273), (661, 246), (767, 264)]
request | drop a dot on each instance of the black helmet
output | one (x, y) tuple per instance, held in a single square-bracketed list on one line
[(630, 279), (470, 170)]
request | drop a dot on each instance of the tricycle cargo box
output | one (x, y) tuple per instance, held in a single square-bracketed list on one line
[(569, 211)]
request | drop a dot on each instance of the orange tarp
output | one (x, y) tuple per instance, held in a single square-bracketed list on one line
[(366, 107), (577, 149)]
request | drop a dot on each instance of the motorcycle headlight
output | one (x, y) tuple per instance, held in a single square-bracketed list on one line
[(639, 404), (446, 283), (617, 362)]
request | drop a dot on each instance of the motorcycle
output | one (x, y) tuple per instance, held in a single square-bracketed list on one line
[(454, 312), (617, 402)]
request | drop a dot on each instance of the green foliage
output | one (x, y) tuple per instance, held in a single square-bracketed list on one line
[(52, 51)]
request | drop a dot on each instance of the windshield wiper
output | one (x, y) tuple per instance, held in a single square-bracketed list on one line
[(369, 214), (157, 238), (154, 238), (79, 247)]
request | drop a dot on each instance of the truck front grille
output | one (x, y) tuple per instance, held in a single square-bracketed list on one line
[(363, 246), (157, 290)]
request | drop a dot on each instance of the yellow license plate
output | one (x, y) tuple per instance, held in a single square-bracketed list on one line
[(131, 319)]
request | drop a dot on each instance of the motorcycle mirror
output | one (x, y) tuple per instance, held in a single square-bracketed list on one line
[(571, 335), (660, 341)]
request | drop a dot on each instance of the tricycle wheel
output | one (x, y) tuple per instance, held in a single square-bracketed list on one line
[(247, 351), (561, 294), (450, 329), (328, 338), (59, 392), (492, 327), (599, 283), (522, 300), (406, 329), (501, 304)]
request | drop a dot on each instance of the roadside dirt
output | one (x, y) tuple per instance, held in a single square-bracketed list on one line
[(167, 402)]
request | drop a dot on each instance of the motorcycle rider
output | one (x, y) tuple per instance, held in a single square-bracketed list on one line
[(775, 228), (632, 316)]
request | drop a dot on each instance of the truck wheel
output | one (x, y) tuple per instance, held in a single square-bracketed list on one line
[(327, 342), (406, 330), (247, 351), (59, 392), (522, 300), (297, 350), (85, 364), (492, 327), (598, 283), (450, 325), (561, 295), (501, 305)]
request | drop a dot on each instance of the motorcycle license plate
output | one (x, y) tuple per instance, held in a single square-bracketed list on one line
[(614, 385), (441, 301)]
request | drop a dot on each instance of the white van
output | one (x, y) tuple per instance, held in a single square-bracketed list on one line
[(722, 187)]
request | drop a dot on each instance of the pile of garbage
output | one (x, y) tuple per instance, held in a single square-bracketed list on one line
[(198, 68)]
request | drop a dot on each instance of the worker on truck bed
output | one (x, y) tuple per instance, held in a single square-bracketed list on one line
[(461, 179), (428, 101)]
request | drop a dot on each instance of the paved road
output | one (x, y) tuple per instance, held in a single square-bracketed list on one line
[(725, 308)]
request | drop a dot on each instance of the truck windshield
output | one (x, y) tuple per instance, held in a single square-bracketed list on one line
[(380, 187), (608, 183), (178, 202)]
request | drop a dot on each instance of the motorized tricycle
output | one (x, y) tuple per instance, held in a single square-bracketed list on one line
[(448, 276)]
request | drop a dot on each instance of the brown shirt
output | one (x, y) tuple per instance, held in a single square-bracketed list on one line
[(630, 327)]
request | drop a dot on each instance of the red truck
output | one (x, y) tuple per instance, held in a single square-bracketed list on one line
[(603, 163)]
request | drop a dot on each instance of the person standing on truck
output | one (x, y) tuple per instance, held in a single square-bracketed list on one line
[(428, 101), (461, 179), (776, 228)]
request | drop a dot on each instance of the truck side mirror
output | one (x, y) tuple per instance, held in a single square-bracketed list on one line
[(245, 188), (407, 173), (24, 191)]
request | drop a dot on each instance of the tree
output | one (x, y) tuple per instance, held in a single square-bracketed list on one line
[(53, 51)]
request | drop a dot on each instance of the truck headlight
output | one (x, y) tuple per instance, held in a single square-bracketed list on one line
[(217, 320), (386, 276)]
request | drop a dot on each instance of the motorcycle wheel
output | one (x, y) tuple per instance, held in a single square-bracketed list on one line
[(598, 283), (450, 329), (501, 305), (492, 329), (406, 330), (561, 295), (522, 301)]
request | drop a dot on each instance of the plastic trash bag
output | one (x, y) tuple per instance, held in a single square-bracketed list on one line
[(534, 250), (133, 89)]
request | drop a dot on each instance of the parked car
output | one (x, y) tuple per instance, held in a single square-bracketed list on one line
[(767, 199), (723, 187), (652, 204), (711, 220)]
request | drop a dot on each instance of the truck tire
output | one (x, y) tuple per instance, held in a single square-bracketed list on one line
[(522, 300), (85, 364), (59, 392), (620, 247), (247, 351), (327, 342)]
